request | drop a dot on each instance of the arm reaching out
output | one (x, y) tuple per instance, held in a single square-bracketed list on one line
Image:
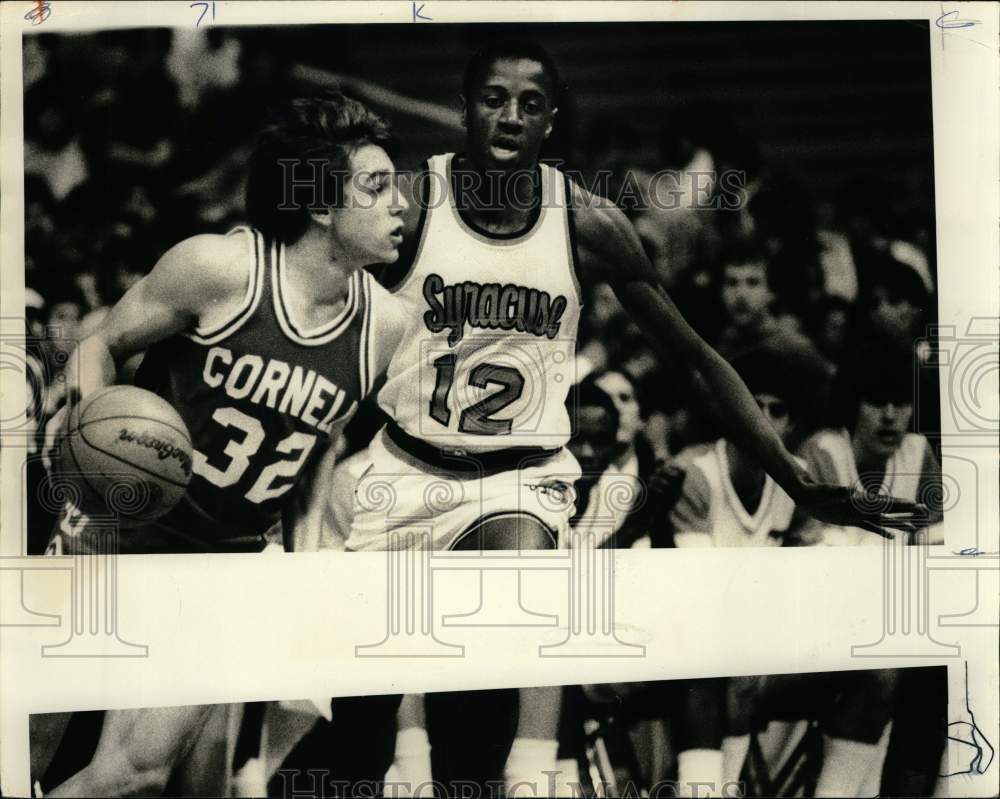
[(610, 251)]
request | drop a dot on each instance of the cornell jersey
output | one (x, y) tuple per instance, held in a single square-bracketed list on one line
[(488, 358), (258, 392)]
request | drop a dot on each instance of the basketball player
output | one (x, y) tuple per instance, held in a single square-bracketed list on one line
[(501, 245), (871, 442), (728, 500), (265, 340), (475, 392)]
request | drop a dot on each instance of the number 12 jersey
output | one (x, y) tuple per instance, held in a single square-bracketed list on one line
[(489, 354)]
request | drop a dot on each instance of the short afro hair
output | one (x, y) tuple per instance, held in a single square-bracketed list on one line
[(509, 48)]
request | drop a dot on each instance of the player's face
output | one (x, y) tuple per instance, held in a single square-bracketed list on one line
[(622, 394), (595, 441), (745, 294), (368, 228), (776, 411), (881, 425), (510, 116)]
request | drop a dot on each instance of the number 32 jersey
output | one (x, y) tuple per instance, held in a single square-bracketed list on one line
[(488, 356), (258, 392)]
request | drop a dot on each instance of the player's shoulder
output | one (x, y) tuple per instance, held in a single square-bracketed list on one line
[(609, 246), (829, 440), (914, 447), (699, 464), (596, 217), (212, 259), (694, 453)]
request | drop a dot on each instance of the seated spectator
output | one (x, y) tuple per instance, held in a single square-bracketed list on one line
[(748, 302), (899, 302), (831, 327)]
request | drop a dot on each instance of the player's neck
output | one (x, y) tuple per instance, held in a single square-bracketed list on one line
[(746, 477), (312, 271), (499, 201), (867, 462), (622, 458)]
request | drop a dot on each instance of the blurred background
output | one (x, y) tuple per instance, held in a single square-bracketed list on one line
[(136, 139)]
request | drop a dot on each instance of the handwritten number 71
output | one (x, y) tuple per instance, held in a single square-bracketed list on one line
[(204, 10)]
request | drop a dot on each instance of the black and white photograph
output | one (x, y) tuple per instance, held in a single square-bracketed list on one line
[(495, 270), (831, 734), (337, 319)]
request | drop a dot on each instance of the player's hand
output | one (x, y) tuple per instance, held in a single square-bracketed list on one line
[(56, 428), (854, 507), (664, 485)]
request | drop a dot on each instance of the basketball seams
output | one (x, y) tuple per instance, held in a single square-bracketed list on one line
[(98, 496)]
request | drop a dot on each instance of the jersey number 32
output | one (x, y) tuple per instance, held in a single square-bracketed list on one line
[(240, 450)]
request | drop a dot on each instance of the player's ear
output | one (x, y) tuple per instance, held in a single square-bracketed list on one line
[(322, 216), (552, 119)]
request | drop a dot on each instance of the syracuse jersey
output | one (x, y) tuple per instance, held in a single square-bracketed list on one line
[(710, 512), (488, 358), (257, 392)]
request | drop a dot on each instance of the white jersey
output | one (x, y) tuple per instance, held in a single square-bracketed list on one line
[(831, 460), (710, 512), (488, 356)]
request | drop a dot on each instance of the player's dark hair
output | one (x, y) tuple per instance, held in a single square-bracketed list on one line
[(587, 394), (509, 48), (877, 368), (327, 128), (793, 373)]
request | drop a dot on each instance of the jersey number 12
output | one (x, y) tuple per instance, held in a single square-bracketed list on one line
[(476, 418)]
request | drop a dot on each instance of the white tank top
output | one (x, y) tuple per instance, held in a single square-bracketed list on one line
[(488, 357), (710, 505), (901, 480)]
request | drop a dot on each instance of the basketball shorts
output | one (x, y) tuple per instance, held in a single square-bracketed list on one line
[(401, 502)]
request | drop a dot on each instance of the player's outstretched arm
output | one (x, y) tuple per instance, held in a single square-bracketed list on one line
[(610, 251)]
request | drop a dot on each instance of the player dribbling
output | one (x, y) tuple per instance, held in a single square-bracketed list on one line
[(265, 340)]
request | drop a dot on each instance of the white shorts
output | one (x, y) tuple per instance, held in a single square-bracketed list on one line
[(401, 502)]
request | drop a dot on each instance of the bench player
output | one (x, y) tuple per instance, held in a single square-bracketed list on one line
[(728, 500), (474, 450), (873, 444), (265, 340)]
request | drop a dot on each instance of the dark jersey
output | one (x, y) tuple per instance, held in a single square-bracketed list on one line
[(258, 393)]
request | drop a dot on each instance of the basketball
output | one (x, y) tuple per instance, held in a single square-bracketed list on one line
[(127, 452)]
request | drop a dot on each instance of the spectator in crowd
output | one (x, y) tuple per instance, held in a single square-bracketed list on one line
[(748, 300)]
